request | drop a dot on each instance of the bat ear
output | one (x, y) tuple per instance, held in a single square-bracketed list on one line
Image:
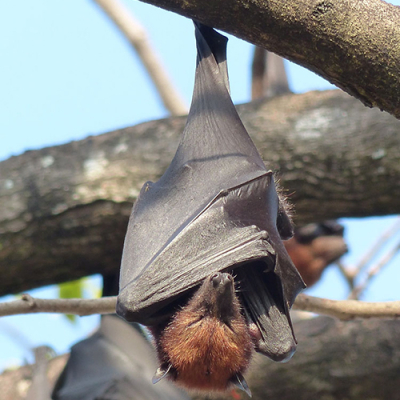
[(284, 224), (239, 381), (163, 371)]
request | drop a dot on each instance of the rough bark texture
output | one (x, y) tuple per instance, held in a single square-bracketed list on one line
[(64, 210), (14, 384), (353, 44), (357, 360)]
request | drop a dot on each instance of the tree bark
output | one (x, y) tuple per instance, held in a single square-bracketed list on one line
[(356, 360), (352, 44), (64, 209), (14, 384)]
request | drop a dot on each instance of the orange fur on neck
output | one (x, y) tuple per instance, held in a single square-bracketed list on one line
[(205, 350), (206, 353)]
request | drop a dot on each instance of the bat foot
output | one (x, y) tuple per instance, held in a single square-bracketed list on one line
[(239, 381), (162, 372)]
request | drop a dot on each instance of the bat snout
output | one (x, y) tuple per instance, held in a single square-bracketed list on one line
[(218, 296), (220, 279)]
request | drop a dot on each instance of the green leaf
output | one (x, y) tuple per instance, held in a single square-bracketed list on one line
[(71, 290)]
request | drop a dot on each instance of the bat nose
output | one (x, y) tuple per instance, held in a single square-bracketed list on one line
[(221, 279)]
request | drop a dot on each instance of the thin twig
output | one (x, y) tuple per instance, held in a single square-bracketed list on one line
[(136, 35), (347, 309), (356, 292), (349, 276), (369, 255), (29, 305), (342, 309)]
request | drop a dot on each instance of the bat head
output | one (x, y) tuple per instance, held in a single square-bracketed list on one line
[(314, 247), (216, 299), (207, 344), (307, 233)]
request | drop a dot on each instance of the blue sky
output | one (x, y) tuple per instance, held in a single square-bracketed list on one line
[(67, 73)]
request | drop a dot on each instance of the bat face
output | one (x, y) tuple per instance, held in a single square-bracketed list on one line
[(207, 345), (214, 211)]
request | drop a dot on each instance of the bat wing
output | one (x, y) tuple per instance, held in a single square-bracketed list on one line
[(116, 362), (214, 209)]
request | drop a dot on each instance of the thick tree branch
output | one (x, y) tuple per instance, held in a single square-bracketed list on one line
[(15, 383), (353, 44), (64, 210), (341, 309), (334, 360)]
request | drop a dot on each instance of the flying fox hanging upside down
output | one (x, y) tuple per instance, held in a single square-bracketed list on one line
[(214, 218), (315, 246), (207, 344)]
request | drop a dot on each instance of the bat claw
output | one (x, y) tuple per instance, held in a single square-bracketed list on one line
[(161, 373), (239, 381)]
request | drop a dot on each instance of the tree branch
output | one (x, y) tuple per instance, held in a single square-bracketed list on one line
[(341, 309), (64, 210), (30, 305), (334, 360), (377, 247), (352, 44), (359, 289), (347, 274), (136, 35), (347, 309)]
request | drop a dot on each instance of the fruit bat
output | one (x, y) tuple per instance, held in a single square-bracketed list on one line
[(116, 362), (329, 228), (207, 345), (315, 246), (269, 78), (215, 210)]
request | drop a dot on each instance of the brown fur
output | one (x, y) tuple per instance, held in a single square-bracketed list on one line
[(206, 349), (312, 258)]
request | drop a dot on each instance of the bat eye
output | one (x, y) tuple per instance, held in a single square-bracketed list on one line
[(201, 317)]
